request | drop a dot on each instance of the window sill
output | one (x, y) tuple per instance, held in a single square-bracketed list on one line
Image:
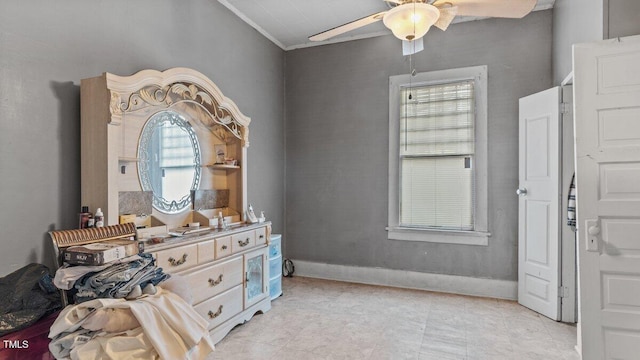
[(479, 238)]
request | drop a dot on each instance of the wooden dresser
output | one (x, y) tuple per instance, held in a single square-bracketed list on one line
[(227, 271)]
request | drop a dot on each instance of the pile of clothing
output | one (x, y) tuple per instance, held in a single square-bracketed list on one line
[(127, 278), (127, 309)]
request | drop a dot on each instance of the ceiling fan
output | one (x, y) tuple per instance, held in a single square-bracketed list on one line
[(411, 19)]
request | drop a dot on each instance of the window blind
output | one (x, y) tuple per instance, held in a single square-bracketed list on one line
[(176, 150), (436, 156)]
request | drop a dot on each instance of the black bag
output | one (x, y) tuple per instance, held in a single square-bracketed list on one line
[(26, 295)]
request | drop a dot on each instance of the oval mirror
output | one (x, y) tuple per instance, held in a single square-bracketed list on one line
[(169, 161)]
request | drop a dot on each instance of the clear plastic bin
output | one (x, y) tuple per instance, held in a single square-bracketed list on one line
[(275, 247), (275, 287), (275, 267)]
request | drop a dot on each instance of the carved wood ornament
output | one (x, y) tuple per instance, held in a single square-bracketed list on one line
[(151, 88)]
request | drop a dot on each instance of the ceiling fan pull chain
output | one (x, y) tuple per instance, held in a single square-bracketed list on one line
[(406, 102)]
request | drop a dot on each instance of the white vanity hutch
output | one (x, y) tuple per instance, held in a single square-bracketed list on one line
[(168, 149)]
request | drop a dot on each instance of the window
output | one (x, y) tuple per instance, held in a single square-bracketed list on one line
[(176, 160), (437, 156)]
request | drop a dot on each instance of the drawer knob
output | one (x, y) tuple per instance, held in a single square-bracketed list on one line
[(215, 282), (213, 315), (243, 243), (261, 236), (178, 262), (223, 247)]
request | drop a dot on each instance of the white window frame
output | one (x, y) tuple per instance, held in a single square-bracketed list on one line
[(479, 235)]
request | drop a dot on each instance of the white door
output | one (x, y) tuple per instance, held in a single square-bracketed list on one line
[(539, 202), (607, 127)]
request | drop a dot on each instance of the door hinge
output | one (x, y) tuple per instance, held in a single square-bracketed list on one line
[(563, 291), (566, 108)]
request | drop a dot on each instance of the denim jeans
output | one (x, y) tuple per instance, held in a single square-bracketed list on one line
[(118, 280)]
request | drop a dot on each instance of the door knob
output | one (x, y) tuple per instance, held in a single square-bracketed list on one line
[(593, 235), (521, 192)]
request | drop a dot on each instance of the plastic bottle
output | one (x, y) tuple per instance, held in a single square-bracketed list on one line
[(83, 217), (99, 216), (220, 220)]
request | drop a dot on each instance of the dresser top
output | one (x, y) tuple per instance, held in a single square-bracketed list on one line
[(202, 234)]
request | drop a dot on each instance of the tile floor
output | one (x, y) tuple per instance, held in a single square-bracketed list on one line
[(320, 319)]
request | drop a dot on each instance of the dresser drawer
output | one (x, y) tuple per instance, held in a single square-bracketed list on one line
[(222, 307), (215, 279), (206, 251), (243, 241), (177, 259), (261, 235), (223, 247)]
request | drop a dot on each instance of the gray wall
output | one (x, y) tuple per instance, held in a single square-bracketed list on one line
[(337, 110), (574, 21), (621, 18), (579, 21), (47, 47)]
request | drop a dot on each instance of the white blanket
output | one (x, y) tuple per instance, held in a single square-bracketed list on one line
[(170, 329)]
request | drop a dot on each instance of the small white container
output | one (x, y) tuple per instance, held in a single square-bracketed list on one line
[(99, 218)]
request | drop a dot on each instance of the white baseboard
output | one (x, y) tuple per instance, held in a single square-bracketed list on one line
[(500, 289)]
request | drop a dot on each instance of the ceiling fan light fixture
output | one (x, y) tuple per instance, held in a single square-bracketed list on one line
[(411, 21)]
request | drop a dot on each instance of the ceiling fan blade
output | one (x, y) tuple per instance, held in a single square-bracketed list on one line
[(491, 8), (446, 17), (347, 27)]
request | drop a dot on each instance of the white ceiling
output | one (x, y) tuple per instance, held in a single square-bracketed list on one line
[(289, 23)]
